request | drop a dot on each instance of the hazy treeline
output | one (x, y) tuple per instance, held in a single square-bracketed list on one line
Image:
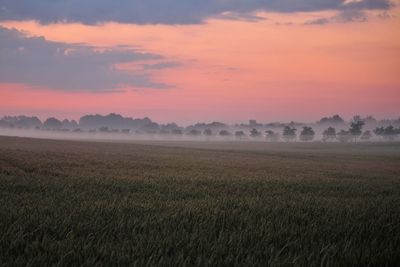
[(327, 129)]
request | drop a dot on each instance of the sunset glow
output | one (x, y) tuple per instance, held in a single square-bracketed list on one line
[(279, 67)]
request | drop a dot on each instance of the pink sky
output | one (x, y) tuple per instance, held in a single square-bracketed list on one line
[(232, 70)]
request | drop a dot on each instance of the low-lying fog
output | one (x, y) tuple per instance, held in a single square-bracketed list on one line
[(116, 127)]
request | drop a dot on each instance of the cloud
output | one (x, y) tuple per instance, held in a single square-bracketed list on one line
[(42, 63), (167, 11), (161, 65), (342, 17)]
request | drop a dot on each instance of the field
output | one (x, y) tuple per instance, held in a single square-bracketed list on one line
[(198, 203)]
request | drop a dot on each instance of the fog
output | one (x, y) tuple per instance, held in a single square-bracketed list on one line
[(228, 133), (118, 128)]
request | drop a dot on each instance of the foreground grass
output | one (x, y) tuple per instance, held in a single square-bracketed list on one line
[(82, 203)]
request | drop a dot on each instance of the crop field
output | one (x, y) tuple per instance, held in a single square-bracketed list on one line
[(198, 203)]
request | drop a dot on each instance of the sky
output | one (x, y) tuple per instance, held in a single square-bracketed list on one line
[(212, 60)]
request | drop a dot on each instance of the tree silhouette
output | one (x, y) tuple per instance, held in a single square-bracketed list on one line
[(239, 134), (177, 132), (224, 133), (255, 133), (356, 128), (366, 136), (389, 133), (271, 136), (52, 124), (307, 134), (329, 134), (194, 132), (335, 119), (343, 136), (207, 132), (289, 133)]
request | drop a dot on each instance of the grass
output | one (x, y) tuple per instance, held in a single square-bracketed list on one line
[(198, 204)]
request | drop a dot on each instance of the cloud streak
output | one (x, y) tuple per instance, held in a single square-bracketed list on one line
[(342, 17), (167, 11), (73, 67)]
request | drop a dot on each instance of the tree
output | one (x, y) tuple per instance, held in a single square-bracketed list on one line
[(307, 134), (163, 131), (379, 131), (177, 132), (271, 136), (343, 136), (52, 124), (253, 123), (389, 133), (239, 134), (104, 129), (194, 132), (329, 134), (369, 120), (357, 118), (207, 132), (366, 135), (356, 128), (289, 133), (335, 119), (255, 133), (224, 133)]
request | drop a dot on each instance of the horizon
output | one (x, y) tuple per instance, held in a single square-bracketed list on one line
[(264, 122)]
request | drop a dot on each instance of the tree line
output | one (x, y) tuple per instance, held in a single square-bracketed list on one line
[(272, 132)]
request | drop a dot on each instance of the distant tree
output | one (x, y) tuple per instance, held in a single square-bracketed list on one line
[(357, 118), (365, 136), (66, 124), (370, 120), (4, 123), (329, 134), (52, 124), (388, 133), (271, 136), (239, 134), (307, 134), (254, 123), (177, 132), (104, 129), (379, 131), (334, 120), (169, 126), (164, 131), (255, 133), (151, 127), (116, 121), (207, 132), (343, 136), (194, 132), (27, 122), (356, 128), (289, 133), (125, 131), (224, 133), (20, 122), (77, 130)]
